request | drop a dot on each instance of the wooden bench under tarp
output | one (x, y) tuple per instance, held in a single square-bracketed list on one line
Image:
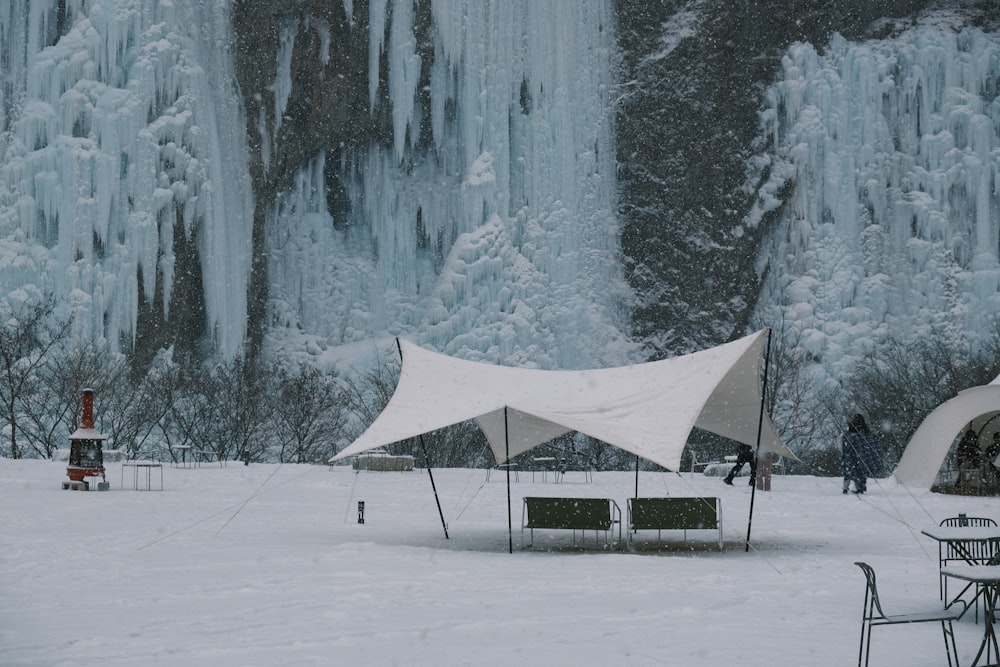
[(659, 514), (583, 514), (379, 460)]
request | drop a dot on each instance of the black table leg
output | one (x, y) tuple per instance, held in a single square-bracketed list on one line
[(989, 635)]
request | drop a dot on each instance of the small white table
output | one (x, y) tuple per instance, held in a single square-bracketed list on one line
[(148, 467), (988, 577), (504, 467), (546, 462)]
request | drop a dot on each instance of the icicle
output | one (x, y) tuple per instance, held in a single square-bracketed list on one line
[(404, 72), (376, 36), (118, 123), (905, 141), (282, 85), (514, 191)]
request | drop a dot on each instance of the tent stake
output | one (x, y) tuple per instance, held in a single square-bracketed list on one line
[(506, 445), (431, 475), (760, 426)]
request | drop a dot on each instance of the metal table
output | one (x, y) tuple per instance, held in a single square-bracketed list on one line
[(148, 467), (988, 578), (974, 545), (960, 537)]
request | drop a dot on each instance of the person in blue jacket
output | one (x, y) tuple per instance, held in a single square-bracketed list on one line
[(861, 454)]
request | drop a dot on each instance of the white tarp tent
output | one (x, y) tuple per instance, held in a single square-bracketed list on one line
[(977, 408), (646, 409)]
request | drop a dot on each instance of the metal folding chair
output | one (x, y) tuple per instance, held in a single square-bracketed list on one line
[(980, 552), (873, 615)]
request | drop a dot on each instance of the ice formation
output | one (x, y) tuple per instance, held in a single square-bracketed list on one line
[(122, 133), (499, 241), (894, 150), (120, 130)]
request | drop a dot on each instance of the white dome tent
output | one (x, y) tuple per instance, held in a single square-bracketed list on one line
[(977, 408)]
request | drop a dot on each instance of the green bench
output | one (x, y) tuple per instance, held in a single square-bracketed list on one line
[(583, 514), (685, 514)]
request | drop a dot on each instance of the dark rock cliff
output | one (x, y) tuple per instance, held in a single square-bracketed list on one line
[(687, 124)]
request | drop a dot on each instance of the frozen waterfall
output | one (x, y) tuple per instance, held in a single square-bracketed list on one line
[(498, 241), (124, 139), (482, 218), (894, 226), (121, 130)]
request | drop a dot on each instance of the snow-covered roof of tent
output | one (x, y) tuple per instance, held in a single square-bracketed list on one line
[(976, 408), (646, 409)]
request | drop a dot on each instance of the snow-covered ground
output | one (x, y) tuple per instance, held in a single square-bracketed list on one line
[(268, 565)]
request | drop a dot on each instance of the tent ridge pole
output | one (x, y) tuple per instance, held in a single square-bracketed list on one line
[(506, 444), (423, 447), (760, 427), (433, 486), (636, 475)]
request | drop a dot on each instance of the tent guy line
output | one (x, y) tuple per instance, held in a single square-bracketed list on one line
[(249, 498), (240, 505)]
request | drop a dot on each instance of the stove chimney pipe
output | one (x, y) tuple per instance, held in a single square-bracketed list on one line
[(88, 409)]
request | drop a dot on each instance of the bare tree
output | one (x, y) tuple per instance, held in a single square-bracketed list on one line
[(368, 396), (55, 409), (461, 445), (29, 331), (189, 414), (239, 393), (131, 407), (797, 401), (791, 389), (310, 411)]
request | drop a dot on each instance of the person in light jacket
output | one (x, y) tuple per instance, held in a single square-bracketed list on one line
[(861, 454)]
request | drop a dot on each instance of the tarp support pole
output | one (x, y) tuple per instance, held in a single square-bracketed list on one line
[(431, 475), (506, 446), (760, 426), (634, 530)]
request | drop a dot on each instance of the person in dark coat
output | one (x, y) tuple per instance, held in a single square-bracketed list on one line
[(967, 458), (968, 450), (861, 454), (990, 458), (993, 451), (744, 455)]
